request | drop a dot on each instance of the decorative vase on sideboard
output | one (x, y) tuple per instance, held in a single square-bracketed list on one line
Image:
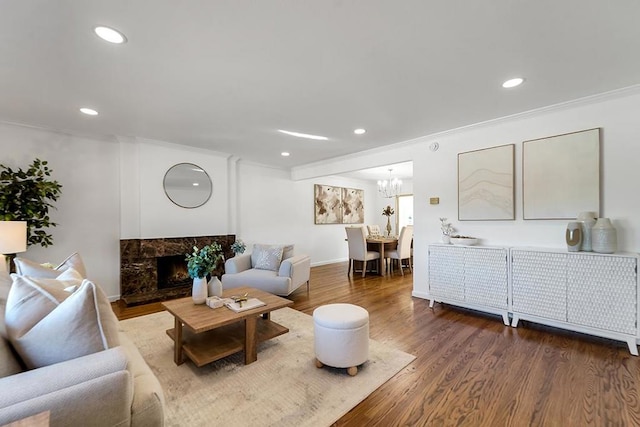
[(199, 290), (604, 238), (573, 236), (389, 227), (588, 220), (215, 287)]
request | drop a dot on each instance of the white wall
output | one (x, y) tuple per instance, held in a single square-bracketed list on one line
[(435, 174), (87, 211), (147, 212), (274, 209)]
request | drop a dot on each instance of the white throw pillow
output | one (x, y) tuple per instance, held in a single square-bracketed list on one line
[(47, 324), (266, 257), (25, 267)]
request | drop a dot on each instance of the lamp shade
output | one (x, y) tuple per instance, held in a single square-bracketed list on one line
[(13, 237)]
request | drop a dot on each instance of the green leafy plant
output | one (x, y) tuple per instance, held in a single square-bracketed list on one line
[(238, 247), (28, 196), (203, 261)]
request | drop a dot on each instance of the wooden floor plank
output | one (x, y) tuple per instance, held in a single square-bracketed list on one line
[(470, 369)]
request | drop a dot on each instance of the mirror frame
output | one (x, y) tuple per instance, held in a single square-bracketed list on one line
[(169, 191)]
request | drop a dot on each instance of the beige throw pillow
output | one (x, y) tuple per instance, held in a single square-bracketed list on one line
[(266, 257), (47, 324), (25, 267)]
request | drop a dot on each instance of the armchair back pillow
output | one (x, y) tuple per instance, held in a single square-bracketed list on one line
[(25, 267), (266, 257)]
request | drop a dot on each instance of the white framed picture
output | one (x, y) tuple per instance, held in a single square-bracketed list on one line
[(486, 184), (561, 175)]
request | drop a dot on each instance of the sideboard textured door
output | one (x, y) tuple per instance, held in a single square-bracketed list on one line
[(485, 277), (539, 283), (601, 292), (446, 272)]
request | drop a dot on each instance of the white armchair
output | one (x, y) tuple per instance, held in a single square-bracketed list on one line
[(282, 279)]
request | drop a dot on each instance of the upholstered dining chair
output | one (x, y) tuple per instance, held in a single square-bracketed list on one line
[(358, 249), (374, 230), (403, 251)]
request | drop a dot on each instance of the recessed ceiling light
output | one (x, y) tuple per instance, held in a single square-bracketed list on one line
[(359, 131), (303, 135), (196, 184), (285, 154), (512, 83), (110, 35), (89, 111)]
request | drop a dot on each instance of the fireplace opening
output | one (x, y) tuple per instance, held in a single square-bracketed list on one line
[(172, 272)]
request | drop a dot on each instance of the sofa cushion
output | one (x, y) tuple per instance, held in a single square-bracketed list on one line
[(25, 267), (47, 324), (266, 257)]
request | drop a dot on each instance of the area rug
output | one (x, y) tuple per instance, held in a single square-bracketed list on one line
[(282, 388)]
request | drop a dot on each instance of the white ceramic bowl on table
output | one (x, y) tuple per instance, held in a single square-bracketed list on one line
[(464, 241)]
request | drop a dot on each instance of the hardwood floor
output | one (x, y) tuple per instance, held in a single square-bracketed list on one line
[(470, 369)]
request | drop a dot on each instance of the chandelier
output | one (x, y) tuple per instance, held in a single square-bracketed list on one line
[(390, 188)]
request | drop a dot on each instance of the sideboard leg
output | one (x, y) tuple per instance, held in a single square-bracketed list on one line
[(431, 303), (633, 348), (505, 318), (514, 321)]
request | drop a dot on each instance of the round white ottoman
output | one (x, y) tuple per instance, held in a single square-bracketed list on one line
[(341, 336)]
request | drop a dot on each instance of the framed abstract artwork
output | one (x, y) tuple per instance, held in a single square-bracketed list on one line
[(561, 175), (338, 205), (352, 206), (328, 204), (486, 184)]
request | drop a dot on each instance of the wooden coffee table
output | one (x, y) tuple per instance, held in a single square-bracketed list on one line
[(206, 334)]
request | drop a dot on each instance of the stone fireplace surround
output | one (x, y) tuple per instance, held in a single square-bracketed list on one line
[(139, 265)]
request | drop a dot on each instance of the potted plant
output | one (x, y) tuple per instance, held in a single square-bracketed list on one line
[(200, 263), (27, 196), (238, 247), (447, 230), (388, 211)]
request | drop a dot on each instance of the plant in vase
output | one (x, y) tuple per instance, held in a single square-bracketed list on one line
[(238, 247), (200, 263), (447, 230), (388, 211)]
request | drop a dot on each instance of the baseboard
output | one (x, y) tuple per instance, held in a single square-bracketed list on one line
[(333, 261)]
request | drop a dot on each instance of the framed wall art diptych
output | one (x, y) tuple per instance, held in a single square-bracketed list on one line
[(338, 205), (486, 184), (561, 175)]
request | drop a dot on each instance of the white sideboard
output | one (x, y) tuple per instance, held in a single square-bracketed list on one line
[(472, 277), (581, 291), (585, 292)]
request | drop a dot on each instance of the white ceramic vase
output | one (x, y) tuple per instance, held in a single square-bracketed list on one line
[(446, 239), (588, 220), (215, 287), (199, 290), (604, 238), (573, 236)]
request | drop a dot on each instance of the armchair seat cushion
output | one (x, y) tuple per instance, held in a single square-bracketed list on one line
[(290, 274)]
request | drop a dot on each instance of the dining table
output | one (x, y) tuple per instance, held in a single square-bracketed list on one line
[(379, 244)]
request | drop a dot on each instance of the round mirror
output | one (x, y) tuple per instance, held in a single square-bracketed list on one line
[(187, 185)]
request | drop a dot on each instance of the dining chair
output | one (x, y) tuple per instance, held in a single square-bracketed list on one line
[(374, 230), (403, 250), (358, 249)]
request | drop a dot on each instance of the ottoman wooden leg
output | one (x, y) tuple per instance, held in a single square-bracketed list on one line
[(319, 364), (352, 371)]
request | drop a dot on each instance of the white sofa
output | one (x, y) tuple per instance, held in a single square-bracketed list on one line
[(280, 278), (114, 387)]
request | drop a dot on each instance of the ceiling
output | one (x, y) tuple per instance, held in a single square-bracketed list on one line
[(227, 74)]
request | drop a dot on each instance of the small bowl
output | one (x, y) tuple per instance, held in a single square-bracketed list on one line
[(464, 241)]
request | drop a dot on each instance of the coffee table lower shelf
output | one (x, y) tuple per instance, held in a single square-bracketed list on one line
[(209, 346)]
